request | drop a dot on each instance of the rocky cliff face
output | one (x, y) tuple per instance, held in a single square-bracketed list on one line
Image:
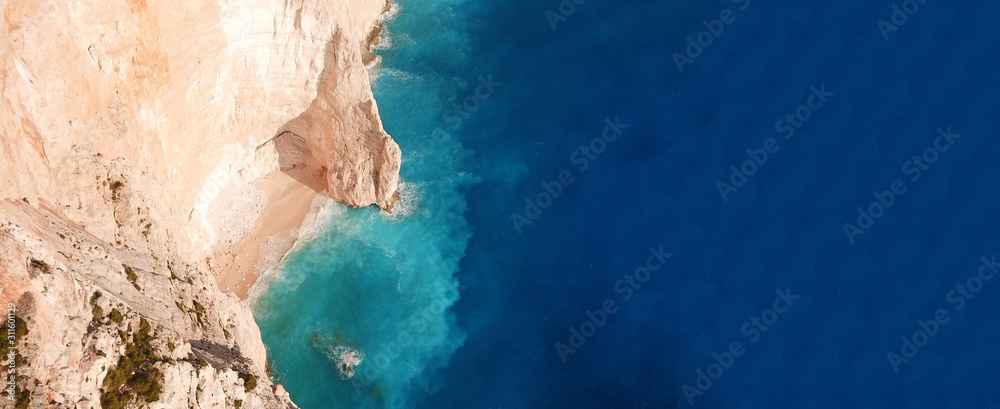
[(118, 119)]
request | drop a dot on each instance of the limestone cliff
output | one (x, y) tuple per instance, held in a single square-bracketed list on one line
[(120, 123)]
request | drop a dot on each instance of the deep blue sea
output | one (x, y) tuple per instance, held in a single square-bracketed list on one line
[(802, 215)]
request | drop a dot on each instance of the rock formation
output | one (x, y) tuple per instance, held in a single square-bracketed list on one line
[(120, 122)]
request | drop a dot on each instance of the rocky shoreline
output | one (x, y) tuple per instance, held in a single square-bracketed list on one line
[(141, 142)]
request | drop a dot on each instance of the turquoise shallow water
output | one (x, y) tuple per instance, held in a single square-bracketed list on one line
[(455, 304), (372, 282)]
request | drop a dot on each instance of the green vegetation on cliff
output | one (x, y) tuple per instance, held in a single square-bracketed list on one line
[(135, 375)]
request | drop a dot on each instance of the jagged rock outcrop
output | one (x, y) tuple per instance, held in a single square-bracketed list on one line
[(118, 119), (84, 299)]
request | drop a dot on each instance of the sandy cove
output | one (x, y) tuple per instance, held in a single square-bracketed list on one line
[(289, 197)]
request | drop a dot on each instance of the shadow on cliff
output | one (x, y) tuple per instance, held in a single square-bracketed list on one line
[(336, 144), (299, 153)]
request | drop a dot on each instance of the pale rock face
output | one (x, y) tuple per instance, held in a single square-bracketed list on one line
[(70, 351), (119, 121), (178, 89)]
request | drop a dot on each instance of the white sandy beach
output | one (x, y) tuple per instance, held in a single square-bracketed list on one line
[(289, 196)]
